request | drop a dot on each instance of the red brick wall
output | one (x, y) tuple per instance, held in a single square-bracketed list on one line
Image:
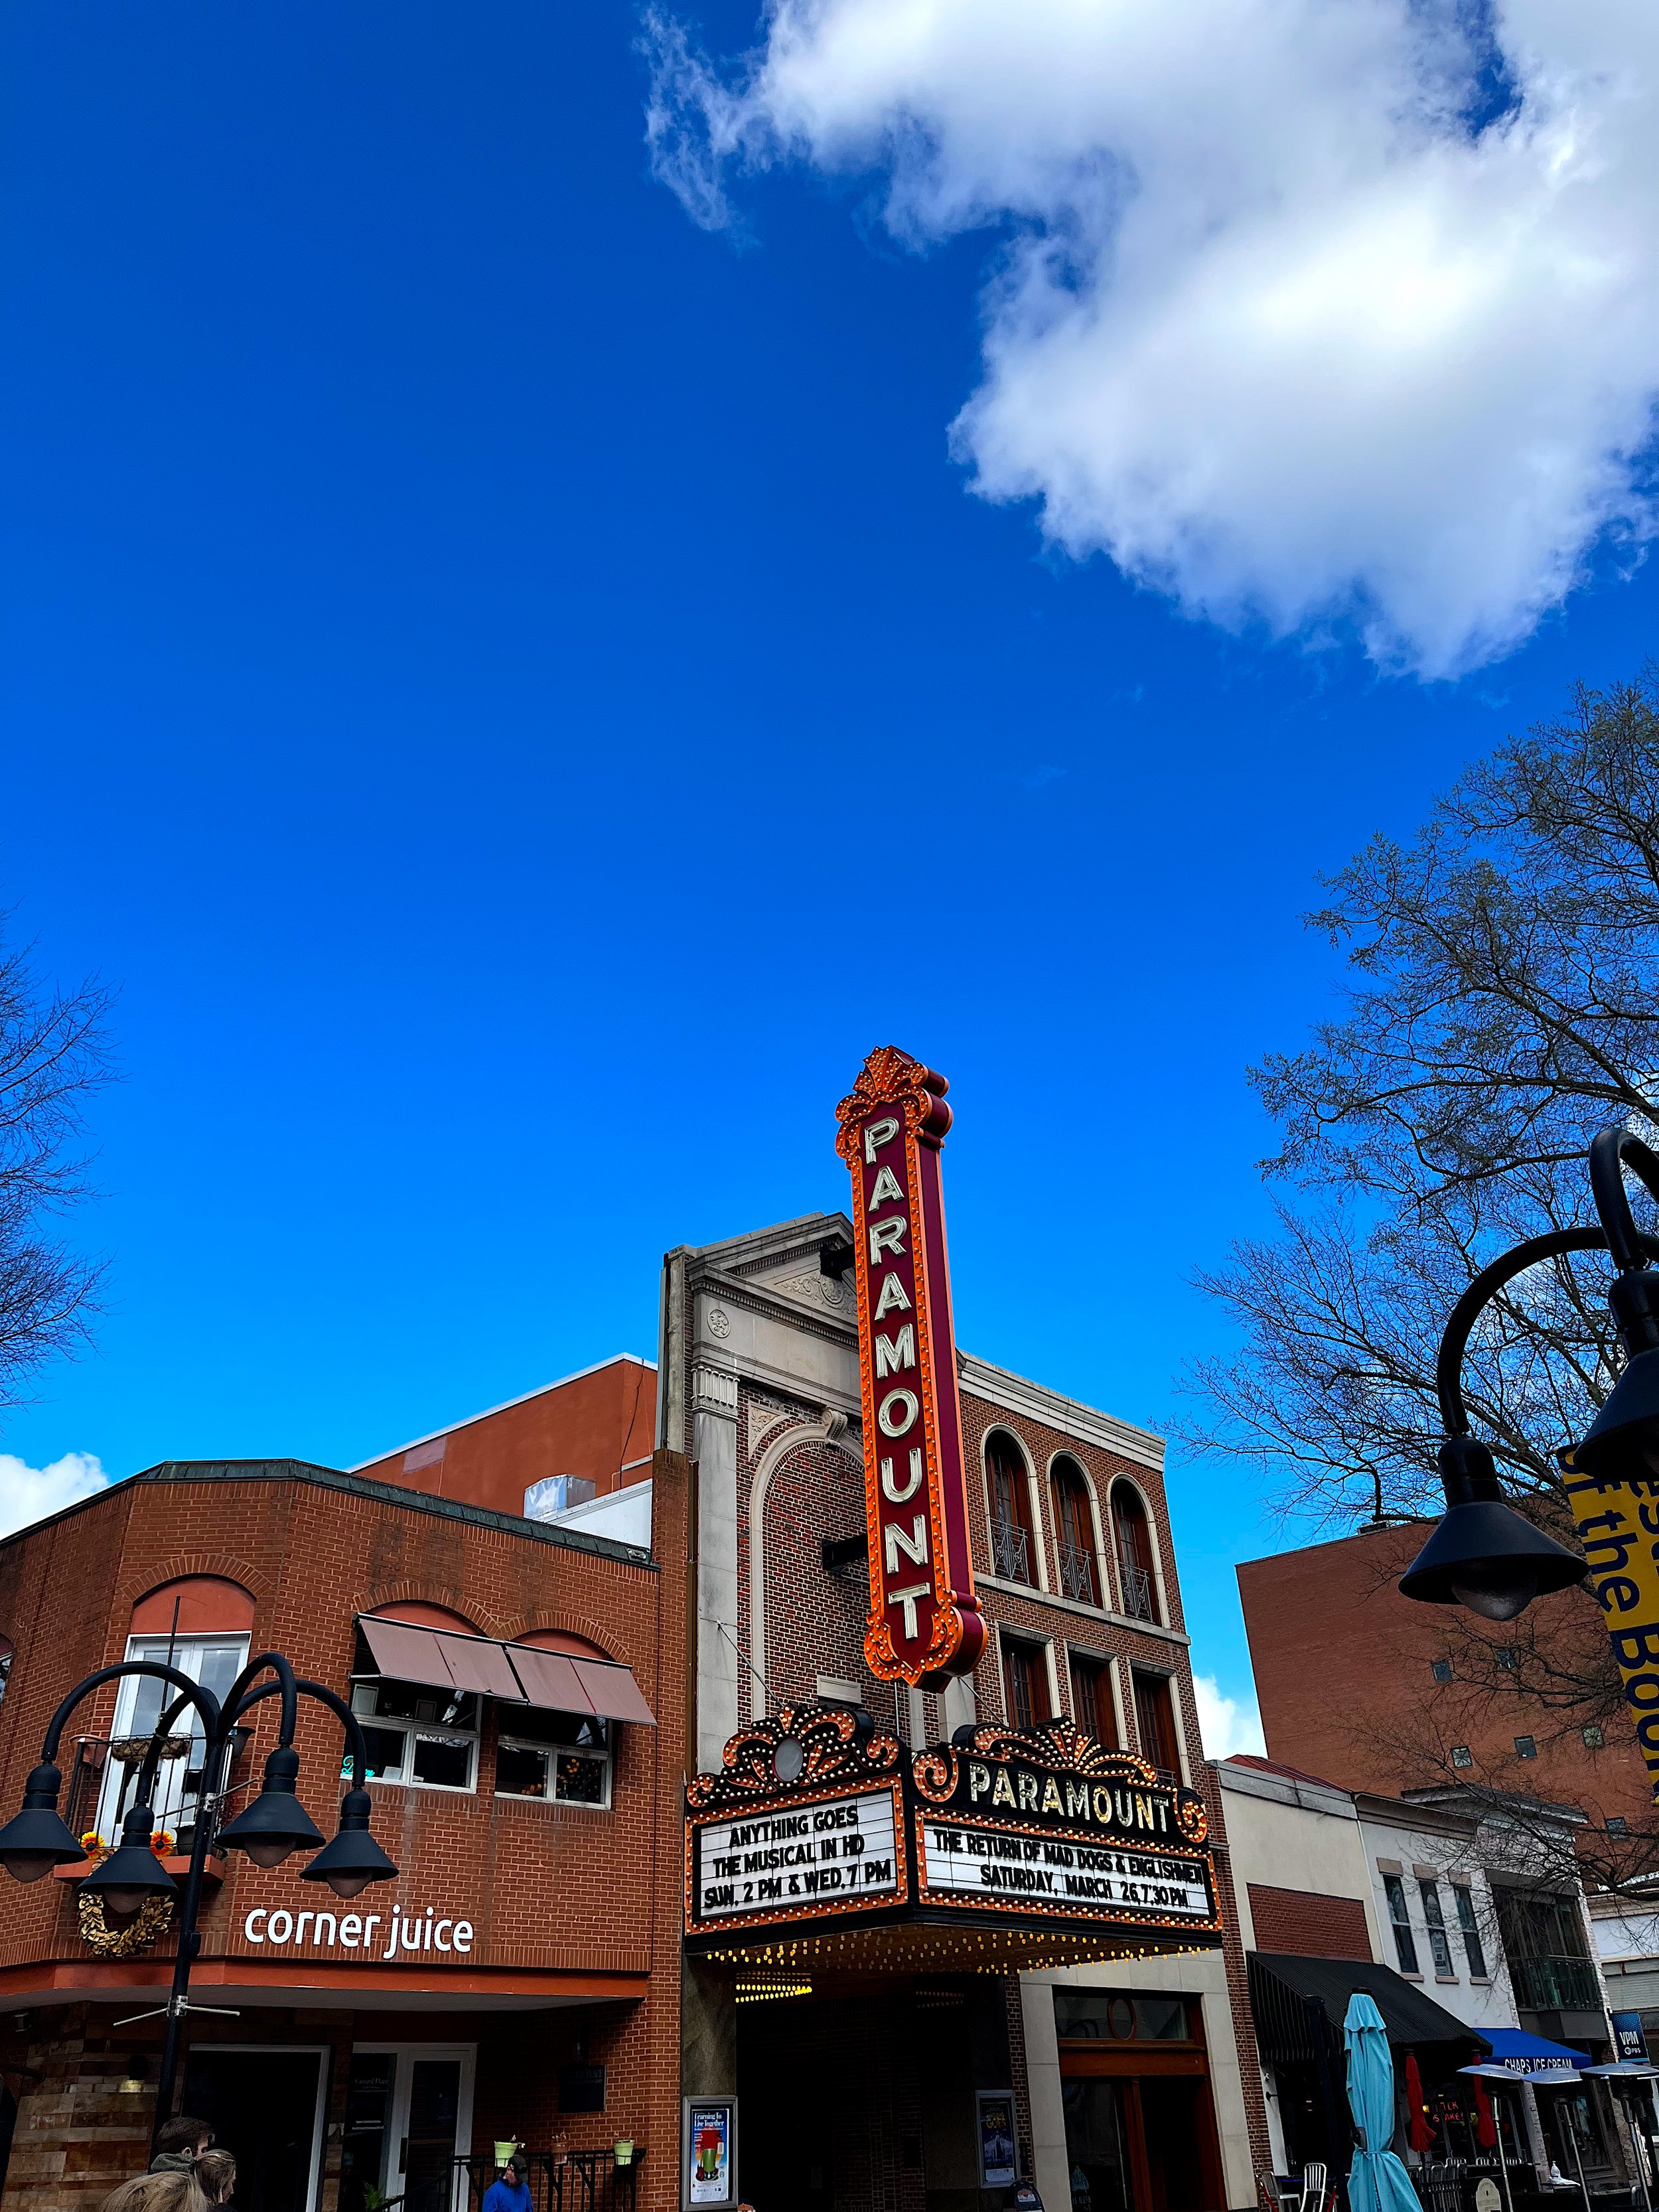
[(551, 1890), (1309, 1925), (1393, 1727), (594, 1426)]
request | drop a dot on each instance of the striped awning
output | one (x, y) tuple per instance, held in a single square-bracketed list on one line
[(516, 1673)]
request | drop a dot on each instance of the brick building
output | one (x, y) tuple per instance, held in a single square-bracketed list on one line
[(1134, 2074), (535, 1826), (1431, 1695)]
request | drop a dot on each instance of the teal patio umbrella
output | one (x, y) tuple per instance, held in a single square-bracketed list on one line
[(1376, 2180)]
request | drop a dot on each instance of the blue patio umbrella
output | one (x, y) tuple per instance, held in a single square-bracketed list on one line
[(1376, 2180)]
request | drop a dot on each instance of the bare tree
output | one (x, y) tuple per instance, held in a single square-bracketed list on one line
[(54, 1055), (1501, 1006), (1504, 1005)]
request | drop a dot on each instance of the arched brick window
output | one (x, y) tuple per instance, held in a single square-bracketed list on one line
[(203, 1624), (1133, 1538), (1011, 1509), (1074, 1535)]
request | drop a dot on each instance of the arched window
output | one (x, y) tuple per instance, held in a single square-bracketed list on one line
[(201, 1624), (1011, 1509), (1074, 1530), (1134, 1552)]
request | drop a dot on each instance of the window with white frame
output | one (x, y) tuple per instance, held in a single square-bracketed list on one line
[(1434, 1921), (423, 1737), (213, 1662), (1400, 1921), (1469, 1928), (564, 1756)]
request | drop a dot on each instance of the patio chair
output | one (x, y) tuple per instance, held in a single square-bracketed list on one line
[(1314, 2185)]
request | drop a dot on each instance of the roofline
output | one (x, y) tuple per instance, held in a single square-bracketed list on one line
[(312, 1476), (615, 1359)]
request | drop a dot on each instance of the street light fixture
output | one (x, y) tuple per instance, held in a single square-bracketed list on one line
[(1483, 1555), (269, 1830)]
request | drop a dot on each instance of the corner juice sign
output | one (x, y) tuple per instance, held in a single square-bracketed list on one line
[(925, 1623)]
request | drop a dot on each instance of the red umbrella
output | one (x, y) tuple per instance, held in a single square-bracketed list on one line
[(1418, 2133), (1485, 2127)]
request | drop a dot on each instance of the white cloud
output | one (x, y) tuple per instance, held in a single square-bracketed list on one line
[(30, 1493), (1274, 326), (1226, 1724)]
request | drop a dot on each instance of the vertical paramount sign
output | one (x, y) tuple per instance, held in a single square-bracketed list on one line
[(925, 1623)]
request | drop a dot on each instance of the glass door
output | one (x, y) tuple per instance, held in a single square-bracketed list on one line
[(408, 2118)]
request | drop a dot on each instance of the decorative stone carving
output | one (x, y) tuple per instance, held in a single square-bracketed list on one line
[(822, 1291), (713, 1391)]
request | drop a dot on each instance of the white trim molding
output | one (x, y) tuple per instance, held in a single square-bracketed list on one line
[(1015, 1394)]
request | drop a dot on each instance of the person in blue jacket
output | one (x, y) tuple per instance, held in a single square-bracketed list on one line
[(510, 2191)]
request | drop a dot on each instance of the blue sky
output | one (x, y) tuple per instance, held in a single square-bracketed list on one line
[(516, 692)]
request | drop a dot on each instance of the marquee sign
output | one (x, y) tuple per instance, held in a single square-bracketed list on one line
[(924, 1623), (814, 1819), (1047, 1821)]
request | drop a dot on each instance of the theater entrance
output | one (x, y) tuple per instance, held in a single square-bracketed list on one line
[(862, 2097), (1140, 2132)]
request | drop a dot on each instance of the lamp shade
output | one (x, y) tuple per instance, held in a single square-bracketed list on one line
[(1624, 1439), (1483, 1555), (353, 1859), (275, 1824), (131, 1873), (37, 1839)]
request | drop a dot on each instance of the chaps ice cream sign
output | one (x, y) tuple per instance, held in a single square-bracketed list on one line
[(434, 1937)]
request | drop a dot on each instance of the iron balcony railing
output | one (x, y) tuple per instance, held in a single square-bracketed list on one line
[(104, 1773), (562, 2181), (1137, 1591), (1551, 1985), (1077, 1574), (1011, 1552)]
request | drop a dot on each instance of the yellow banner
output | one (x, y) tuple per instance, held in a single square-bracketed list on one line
[(1618, 1525)]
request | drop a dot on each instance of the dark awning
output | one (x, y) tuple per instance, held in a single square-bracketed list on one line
[(1281, 1983), (517, 1674)]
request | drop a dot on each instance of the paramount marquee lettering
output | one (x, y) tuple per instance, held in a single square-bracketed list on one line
[(1618, 1527), (1038, 1828), (1066, 1797), (924, 1623)]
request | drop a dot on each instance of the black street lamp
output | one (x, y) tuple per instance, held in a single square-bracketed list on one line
[(1483, 1555), (275, 1826)]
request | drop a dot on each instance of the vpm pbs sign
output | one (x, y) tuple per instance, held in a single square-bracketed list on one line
[(924, 1623)]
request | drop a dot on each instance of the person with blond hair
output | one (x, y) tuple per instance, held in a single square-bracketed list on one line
[(173, 2192), (215, 2176)]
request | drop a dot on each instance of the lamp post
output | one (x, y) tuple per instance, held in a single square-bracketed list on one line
[(1483, 1555), (273, 1826)]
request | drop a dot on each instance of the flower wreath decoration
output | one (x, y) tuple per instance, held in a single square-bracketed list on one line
[(154, 1918)]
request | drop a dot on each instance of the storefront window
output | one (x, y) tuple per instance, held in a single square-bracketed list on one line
[(565, 1756), (423, 1737)]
